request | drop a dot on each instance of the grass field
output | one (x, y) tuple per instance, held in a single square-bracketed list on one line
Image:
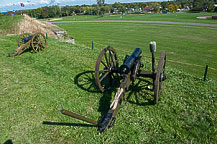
[(35, 87), (189, 48), (8, 24), (174, 17)]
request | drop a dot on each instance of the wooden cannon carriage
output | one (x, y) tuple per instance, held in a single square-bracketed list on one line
[(37, 42), (107, 72)]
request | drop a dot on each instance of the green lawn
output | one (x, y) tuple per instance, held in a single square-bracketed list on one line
[(35, 87), (173, 17), (8, 24), (188, 48)]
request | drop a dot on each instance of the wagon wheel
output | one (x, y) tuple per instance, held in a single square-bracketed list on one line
[(38, 42), (105, 69), (21, 36), (160, 77)]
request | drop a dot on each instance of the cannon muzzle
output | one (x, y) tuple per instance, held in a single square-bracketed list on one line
[(128, 64)]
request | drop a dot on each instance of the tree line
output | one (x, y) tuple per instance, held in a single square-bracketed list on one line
[(119, 8)]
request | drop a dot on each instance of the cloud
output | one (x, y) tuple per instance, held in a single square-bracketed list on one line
[(44, 1), (29, 2), (52, 1)]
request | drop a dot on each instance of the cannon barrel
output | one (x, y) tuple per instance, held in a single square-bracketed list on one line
[(26, 39), (128, 64)]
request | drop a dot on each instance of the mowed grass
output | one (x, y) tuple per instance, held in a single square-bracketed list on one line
[(173, 17), (35, 87), (188, 48), (8, 24)]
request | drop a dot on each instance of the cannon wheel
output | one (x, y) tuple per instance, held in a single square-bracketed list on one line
[(106, 65), (159, 77), (21, 36), (38, 42)]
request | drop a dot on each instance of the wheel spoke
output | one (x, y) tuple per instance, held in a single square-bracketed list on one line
[(106, 59), (112, 61), (104, 70), (38, 42), (36, 48), (103, 76), (104, 64)]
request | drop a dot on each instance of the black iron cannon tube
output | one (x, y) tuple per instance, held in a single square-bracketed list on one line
[(26, 39), (128, 64), (74, 115)]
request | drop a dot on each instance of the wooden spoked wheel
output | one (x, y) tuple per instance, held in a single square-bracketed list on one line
[(106, 68), (160, 77), (38, 42), (21, 36)]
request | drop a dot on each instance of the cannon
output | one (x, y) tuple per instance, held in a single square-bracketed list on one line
[(37, 42), (108, 72)]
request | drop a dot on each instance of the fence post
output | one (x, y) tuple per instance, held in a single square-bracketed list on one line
[(205, 74)]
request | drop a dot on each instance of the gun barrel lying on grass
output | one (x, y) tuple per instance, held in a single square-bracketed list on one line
[(107, 71)]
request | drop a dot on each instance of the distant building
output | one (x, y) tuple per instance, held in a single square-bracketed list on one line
[(148, 9)]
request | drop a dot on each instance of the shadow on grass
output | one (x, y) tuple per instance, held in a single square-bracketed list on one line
[(8, 142), (27, 50), (67, 124), (138, 90), (86, 81), (140, 93)]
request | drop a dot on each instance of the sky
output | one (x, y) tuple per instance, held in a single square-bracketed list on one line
[(9, 5)]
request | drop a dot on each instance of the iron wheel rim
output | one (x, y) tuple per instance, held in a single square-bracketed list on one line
[(38, 42), (21, 36), (106, 64), (158, 79)]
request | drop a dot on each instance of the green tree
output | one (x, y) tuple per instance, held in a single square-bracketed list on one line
[(102, 10), (27, 12), (109, 9), (171, 8), (164, 5), (119, 6), (156, 7), (51, 12), (38, 13), (198, 5), (66, 11), (100, 2), (209, 5), (44, 13), (94, 10), (9, 13), (18, 12)]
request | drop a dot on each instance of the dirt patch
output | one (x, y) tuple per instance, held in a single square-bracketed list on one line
[(204, 17), (2, 39), (31, 25), (55, 19)]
